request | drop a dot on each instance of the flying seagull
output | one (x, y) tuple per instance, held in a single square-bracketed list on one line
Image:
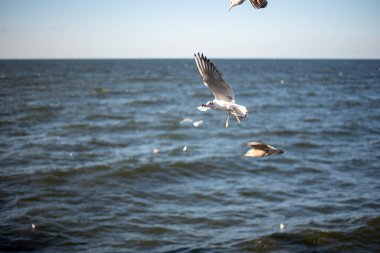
[(258, 4), (224, 96), (259, 150)]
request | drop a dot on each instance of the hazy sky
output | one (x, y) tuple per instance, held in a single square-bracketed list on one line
[(178, 28)]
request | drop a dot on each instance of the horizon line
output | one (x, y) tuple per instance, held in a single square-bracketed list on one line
[(184, 58)]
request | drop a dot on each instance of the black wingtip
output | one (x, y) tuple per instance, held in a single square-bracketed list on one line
[(201, 56), (198, 55)]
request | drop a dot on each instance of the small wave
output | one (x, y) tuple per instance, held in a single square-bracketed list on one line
[(172, 136), (307, 170), (60, 175), (106, 116), (336, 133), (147, 102), (41, 116), (106, 143), (265, 169), (78, 126), (284, 132), (5, 122), (145, 244), (144, 79), (363, 239), (101, 91), (276, 197), (312, 120), (36, 106), (305, 145), (101, 126), (135, 172)]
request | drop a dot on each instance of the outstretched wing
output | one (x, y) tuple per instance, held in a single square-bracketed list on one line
[(213, 79), (257, 145), (258, 4)]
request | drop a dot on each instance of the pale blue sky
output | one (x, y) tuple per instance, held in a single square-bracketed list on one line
[(178, 28)]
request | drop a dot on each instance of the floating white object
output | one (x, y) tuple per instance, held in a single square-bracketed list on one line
[(198, 123), (203, 108), (156, 150), (282, 227), (187, 120), (184, 148)]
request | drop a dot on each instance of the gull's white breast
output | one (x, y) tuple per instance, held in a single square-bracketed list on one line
[(222, 105)]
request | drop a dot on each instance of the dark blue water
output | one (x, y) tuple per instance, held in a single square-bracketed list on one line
[(79, 172)]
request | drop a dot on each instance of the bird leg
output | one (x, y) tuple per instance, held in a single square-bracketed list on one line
[(237, 118), (228, 119)]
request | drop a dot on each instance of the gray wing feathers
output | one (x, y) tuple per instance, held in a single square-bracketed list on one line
[(207, 69), (212, 78)]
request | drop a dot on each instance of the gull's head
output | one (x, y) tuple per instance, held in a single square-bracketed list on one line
[(234, 3), (210, 104), (207, 106)]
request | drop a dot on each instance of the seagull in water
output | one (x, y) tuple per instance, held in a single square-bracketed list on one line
[(224, 95), (259, 150), (258, 4)]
